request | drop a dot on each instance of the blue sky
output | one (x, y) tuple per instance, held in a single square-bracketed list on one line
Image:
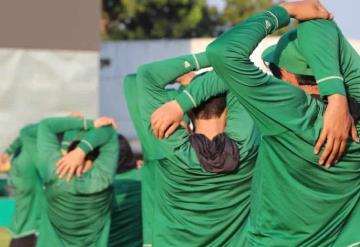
[(346, 14)]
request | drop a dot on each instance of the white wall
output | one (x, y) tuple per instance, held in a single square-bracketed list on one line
[(39, 83)]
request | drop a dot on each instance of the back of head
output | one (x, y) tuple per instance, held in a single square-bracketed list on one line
[(126, 159), (211, 109)]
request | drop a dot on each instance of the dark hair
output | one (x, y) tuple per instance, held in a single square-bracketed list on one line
[(212, 108), (90, 156), (126, 159), (302, 79)]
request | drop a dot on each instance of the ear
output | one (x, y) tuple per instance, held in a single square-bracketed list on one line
[(289, 77)]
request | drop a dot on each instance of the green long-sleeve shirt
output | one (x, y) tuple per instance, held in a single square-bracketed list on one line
[(150, 152), (290, 189), (195, 207), (333, 61), (25, 183), (78, 212)]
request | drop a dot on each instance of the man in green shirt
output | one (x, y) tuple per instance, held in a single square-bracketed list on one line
[(317, 55), (77, 211), (202, 179), (26, 186), (295, 202), (148, 168)]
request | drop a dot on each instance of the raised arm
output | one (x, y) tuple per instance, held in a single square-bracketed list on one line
[(98, 175), (199, 90), (151, 81), (163, 72), (47, 141), (274, 105), (319, 42), (171, 113), (131, 96), (95, 138)]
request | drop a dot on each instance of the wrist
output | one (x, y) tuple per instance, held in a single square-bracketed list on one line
[(337, 98), (177, 107), (289, 7)]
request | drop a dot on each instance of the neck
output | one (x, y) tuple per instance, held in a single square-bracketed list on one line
[(210, 127)]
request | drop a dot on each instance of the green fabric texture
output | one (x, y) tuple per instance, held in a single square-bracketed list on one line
[(148, 169), (77, 213), (295, 202), (26, 185), (319, 48), (148, 183), (286, 54), (194, 207), (126, 219), (14, 146)]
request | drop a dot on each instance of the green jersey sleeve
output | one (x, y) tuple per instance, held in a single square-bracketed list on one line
[(199, 90), (152, 79), (102, 173), (94, 138), (319, 42), (274, 105), (48, 143), (29, 131), (14, 147)]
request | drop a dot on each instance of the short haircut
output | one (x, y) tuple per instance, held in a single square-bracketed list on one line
[(126, 159), (212, 108), (90, 156), (302, 79)]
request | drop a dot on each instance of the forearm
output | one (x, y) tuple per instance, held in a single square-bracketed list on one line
[(199, 90), (236, 45), (319, 41), (62, 124), (95, 138), (166, 71)]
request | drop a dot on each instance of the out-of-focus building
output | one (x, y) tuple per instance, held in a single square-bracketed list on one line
[(49, 61)]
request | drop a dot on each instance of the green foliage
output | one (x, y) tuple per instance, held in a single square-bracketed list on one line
[(155, 19), (239, 10)]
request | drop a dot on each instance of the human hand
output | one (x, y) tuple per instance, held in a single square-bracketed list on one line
[(77, 114), (139, 164), (166, 119), (5, 164), (185, 79), (338, 125), (70, 163), (307, 10), (104, 121)]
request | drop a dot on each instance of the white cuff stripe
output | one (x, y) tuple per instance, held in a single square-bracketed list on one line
[(85, 124), (276, 19), (190, 97), (67, 143), (89, 145), (196, 61), (330, 78), (354, 244)]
